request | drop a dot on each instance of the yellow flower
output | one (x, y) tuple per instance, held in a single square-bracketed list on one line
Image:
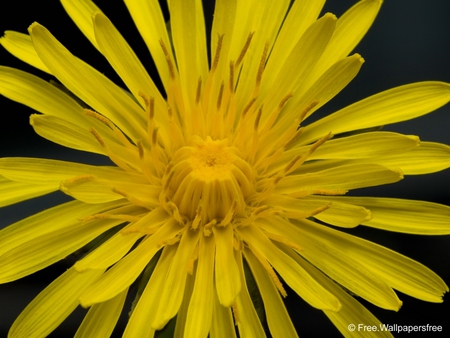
[(213, 185)]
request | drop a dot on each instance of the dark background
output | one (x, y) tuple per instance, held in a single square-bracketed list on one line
[(410, 41)]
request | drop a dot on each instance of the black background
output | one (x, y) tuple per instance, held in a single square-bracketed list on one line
[(410, 41)]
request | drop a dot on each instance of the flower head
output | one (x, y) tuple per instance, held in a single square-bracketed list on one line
[(217, 180)]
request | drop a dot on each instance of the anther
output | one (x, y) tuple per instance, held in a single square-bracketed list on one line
[(217, 54), (244, 49), (262, 64), (168, 59), (231, 84), (219, 99), (307, 109), (247, 107), (199, 91)]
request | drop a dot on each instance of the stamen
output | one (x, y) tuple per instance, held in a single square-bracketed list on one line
[(219, 99), (207, 228), (198, 217), (270, 271), (199, 91), (247, 107), (273, 117), (124, 217), (305, 156), (262, 65), (146, 168), (112, 155), (168, 59), (173, 209), (307, 109), (244, 49), (227, 219), (119, 135), (133, 199), (217, 54), (231, 83)]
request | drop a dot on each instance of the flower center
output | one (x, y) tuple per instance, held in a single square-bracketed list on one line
[(208, 181)]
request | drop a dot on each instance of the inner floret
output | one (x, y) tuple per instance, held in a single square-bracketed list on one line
[(208, 181)]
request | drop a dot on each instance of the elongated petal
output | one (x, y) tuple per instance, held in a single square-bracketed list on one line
[(172, 295), (401, 215), (295, 68), (125, 272), (39, 95), (352, 312), (332, 212), (430, 157), (88, 84), (340, 266), (199, 315), (32, 170), (302, 283), (222, 325), (278, 319), (149, 20), (228, 283), (340, 178), (53, 304), (102, 318), (350, 29), (391, 106), (42, 251), (64, 133), (300, 16), (125, 62), (81, 12), (189, 41), (247, 319), (398, 271), (20, 45), (14, 192), (56, 219), (145, 310)]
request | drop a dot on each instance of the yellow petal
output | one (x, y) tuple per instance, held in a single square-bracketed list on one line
[(44, 250), (55, 219), (102, 318), (247, 319), (14, 192), (89, 85), (264, 18), (33, 170), (430, 157), (350, 29), (80, 11), (352, 312), (297, 278), (302, 58), (401, 215), (39, 95), (278, 319), (65, 133), (300, 16), (391, 106), (20, 45), (336, 213), (394, 269), (228, 283), (222, 325), (189, 41), (149, 20), (125, 272), (346, 177), (338, 265), (125, 62), (53, 305), (172, 294), (199, 314), (145, 310)]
